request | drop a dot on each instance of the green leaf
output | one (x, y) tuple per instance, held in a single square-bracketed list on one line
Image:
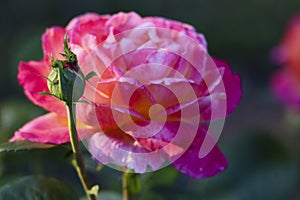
[(46, 93), (23, 145), (90, 75), (37, 188)]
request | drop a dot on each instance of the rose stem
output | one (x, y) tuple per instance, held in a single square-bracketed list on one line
[(125, 186), (78, 162)]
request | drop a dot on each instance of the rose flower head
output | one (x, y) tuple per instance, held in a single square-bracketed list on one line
[(152, 102), (285, 83)]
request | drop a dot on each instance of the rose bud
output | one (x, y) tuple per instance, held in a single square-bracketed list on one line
[(66, 81)]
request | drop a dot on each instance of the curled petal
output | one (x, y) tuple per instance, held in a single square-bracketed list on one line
[(190, 163)]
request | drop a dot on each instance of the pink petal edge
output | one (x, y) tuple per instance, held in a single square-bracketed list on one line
[(31, 77), (49, 128), (190, 163)]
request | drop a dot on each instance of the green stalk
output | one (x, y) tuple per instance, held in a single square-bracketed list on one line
[(125, 190), (78, 162)]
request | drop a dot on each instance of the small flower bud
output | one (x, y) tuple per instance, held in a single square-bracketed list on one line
[(66, 81)]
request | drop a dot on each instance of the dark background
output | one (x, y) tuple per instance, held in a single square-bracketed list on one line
[(260, 138)]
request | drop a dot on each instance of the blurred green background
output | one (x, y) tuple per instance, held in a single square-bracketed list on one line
[(260, 139)]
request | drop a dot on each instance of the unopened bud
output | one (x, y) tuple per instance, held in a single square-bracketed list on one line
[(66, 81)]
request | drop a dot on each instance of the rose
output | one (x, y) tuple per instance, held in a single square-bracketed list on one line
[(285, 83), (149, 106)]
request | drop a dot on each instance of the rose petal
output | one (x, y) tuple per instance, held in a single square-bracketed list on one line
[(49, 128), (123, 21), (121, 150), (222, 99), (32, 78), (287, 52), (161, 138), (232, 83), (158, 63), (285, 86), (190, 163), (52, 41), (124, 92), (88, 30), (178, 26), (85, 19)]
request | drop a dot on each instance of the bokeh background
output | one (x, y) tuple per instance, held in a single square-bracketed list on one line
[(261, 138)]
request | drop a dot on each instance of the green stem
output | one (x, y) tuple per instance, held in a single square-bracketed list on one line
[(125, 186), (78, 162)]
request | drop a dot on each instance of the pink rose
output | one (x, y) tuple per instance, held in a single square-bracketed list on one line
[(156, 92), (286, 82)]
